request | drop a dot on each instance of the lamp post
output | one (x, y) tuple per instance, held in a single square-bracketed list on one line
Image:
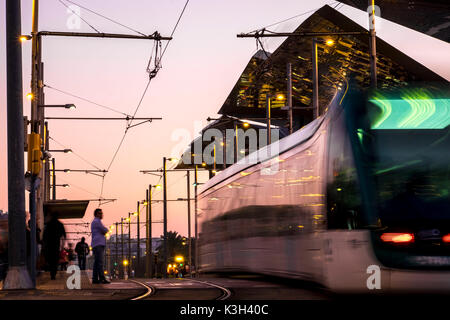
[(138, 255), (315, 74), (166, 251), (122, 268), (268, 115), (196, 222), (117, 248), (129, 244), (65, 106), (54, 179), (189, 219)]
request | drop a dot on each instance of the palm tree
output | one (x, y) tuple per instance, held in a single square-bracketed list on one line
[(176, 245)]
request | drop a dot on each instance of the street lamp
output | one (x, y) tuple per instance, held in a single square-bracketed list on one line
[(279, 97), (24, 38), (315, 71), (64, 150), (60, 185), (65, 106)]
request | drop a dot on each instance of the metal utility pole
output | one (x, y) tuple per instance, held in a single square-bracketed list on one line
[(18, 276), (196, 222), (138, 255), (122, 268), (166, 251), (269, 131), (315, 80), (148, 248), (54, 179), (129, 244), (189, 219), (117, 245), (373, 46), (289, 96)]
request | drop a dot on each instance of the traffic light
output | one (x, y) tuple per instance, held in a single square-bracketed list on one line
[(34, 153)]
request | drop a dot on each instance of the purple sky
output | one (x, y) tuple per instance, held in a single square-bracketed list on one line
[(200, 67)]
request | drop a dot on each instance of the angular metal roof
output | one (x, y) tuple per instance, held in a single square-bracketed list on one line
[(348, 58)]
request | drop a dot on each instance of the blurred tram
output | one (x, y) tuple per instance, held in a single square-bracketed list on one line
[(361, 192)]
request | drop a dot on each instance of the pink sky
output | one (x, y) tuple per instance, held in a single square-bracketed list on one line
[(200, 67)]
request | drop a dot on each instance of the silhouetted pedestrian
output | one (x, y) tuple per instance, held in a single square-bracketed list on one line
[(82, 250), (98, 246), (53, 232)]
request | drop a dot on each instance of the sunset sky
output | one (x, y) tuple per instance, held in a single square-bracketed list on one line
[(200, 67)]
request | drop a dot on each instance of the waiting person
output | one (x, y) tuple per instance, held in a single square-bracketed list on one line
[(53, 232), (98, 231), (82, 250), (63, 259)]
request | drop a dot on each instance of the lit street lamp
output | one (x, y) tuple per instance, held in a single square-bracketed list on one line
[(64, 150), (315, 71)]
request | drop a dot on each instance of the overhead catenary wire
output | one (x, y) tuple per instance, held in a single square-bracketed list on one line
[(87, 100), (74, 153), (293, 17), (151, 76)]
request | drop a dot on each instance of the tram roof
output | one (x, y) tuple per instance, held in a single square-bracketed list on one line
[(429, 17)]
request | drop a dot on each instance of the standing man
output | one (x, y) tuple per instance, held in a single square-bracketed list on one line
[(82, 250), (98, 246), (53, 232)]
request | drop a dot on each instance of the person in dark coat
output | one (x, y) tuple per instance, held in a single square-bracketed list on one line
[(53, 232), (82, 250)]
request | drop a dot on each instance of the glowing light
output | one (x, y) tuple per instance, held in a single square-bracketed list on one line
[(158, 186), (329, 42), (246, 124), (301, 227), (125, 262), (179, 258), (446, 238), (24, 38), (280, 97), (397, 237), (203, 164), (30, 96)]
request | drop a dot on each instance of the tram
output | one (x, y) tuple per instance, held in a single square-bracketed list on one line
[(357, 200)]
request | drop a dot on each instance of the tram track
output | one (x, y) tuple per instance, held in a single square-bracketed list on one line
[(225, 293)]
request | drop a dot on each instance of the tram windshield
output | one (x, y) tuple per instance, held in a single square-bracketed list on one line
[(406, 142)]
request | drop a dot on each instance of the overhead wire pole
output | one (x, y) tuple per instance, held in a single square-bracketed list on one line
[(147, 236), (117, 246), (189, 219), (17, 276), (165, 216), (196, 222), (138, 255)]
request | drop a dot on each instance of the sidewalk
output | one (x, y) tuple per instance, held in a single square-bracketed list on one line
[(47, 289)]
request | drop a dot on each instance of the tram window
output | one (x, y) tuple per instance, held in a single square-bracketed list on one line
[(343, 198)]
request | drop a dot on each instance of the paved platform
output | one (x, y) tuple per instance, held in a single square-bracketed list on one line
[(58, 289)]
